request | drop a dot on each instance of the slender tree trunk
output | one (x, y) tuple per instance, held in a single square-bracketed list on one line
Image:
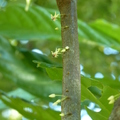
[(115, 115), (71, 65)]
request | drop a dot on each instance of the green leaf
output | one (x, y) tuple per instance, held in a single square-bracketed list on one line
[(19, 93), (90, 36), (46, 65), (2, 105), (107, 28), (86, 94), (107, 92), (23, 74), (54, 71), (95, 115), (34, 24), (110, 82), (102, 102), (28, 109), (87, 82)]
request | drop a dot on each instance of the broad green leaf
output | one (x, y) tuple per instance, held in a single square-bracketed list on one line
[(17, 70), (54, 71), (19, 93), (97, 84), (107, 28), (29, 110), (2, 105), (102, 102), (36, 24), (107, 92), (86, 94), (46, 65), (93, 37), (33, 24), (92, 85), (115, 84), (31, 55), (95, 115), (87, 82)]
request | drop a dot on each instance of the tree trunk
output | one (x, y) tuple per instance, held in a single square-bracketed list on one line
[(115, 115), (71, 64)]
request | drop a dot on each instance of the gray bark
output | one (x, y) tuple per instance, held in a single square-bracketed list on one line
[(71, 65)]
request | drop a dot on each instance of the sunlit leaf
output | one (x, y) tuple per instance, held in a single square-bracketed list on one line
[(95, 115), (36, 24), (107, 28), (33, 24), (94, 37), (102, 102), (46, 65), (54, 71), (23, 74), (29, 110)]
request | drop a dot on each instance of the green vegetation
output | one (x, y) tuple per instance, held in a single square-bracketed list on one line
[(27, 78)]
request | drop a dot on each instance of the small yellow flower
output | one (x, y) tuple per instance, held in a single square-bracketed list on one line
[(52, 95), (111, 99), (58, 101), (54, 17), (56, 28), (55, 54), (27, 4), (63, 50), (13, 42), (67, 48), (59, 51), (62, 114)]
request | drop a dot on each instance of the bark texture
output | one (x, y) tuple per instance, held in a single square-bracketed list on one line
[(115, 115), (71, 64)]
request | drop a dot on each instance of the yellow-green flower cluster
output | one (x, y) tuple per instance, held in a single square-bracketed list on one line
[(52, 95), (54, 17), (112, 98), (58, 101), (59, 51), (62, 114)]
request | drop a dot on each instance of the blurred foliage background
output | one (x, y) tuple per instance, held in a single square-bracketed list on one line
[(28, 37)]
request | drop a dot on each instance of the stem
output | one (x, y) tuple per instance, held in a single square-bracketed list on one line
[(71, 65)]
